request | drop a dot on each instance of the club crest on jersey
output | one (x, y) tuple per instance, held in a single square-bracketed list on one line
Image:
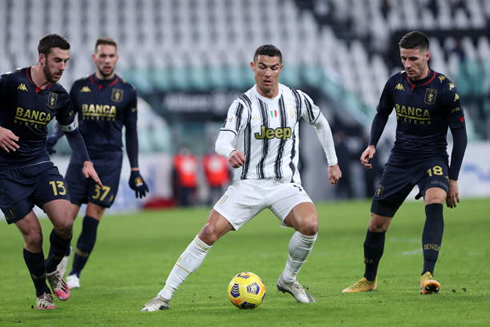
[(430, 96), (52, 98), (117, 95)]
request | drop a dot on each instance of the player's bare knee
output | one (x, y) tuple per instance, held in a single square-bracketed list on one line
[(209, 234), (434, 200), (378, 224), (309, 226), (64, 228), (33, 240)]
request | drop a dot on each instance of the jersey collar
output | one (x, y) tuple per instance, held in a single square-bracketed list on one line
[(422, 82), (29, 78), (103, 83)]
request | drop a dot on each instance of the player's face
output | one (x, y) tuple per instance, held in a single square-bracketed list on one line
[(105, 58), (54, 64), (267, 70), (416, 62)]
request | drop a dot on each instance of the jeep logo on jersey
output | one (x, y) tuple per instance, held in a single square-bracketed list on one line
[(269, 133), (117, 95)]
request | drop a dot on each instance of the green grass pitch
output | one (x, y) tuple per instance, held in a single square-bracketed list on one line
[(134, 254)]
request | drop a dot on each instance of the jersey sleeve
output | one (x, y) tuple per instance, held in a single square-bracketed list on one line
[(66, 114), (386, 103), (130, 122), (309, 110), (74, 94), (236, 117), (453, 107), (131, 110), (4, 87)]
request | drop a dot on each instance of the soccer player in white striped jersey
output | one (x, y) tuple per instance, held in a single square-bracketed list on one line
[(260, 138)]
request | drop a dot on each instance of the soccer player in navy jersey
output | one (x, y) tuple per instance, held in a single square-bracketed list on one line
[(105, 104), (29, 99), (426, 104)]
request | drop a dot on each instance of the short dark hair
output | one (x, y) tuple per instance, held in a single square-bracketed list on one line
[(415, 39), (105, 41), (268, 50), (47, 42)]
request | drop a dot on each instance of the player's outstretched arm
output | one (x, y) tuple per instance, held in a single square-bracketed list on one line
[(75, 140), (367, 155), (8, 140)]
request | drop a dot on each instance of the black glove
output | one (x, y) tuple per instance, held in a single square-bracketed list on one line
[(50, 143), (137, 183)]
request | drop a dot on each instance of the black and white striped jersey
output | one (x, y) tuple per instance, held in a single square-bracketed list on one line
[(266, 131)]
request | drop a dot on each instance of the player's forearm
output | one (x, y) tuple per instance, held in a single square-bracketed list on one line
[(57, 132), (379, 123), (77, 144), (324, 134), (132, 147), (460, 141), (225, 143)]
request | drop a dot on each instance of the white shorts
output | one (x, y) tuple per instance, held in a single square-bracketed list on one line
[(244, 199)]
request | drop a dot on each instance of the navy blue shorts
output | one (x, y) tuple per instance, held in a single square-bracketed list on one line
[(399, 179), (83, 190), (22, 188)]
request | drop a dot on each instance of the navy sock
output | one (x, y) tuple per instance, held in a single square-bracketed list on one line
[(85, 244), (57, 251), (432, 235), (373, 251), (37, 270)]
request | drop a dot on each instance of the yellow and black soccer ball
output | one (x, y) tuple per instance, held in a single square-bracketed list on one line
[(246, 290)]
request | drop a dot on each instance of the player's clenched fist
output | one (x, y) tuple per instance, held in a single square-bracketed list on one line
[(236, 159)]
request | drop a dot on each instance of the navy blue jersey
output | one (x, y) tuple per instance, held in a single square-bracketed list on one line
[(27, 110), (104, 107), (424, 111)]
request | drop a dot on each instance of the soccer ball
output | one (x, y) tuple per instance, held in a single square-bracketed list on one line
[(246, 290)]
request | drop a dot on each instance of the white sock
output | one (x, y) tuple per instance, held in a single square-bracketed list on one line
[(300, 247), (190, 260)]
